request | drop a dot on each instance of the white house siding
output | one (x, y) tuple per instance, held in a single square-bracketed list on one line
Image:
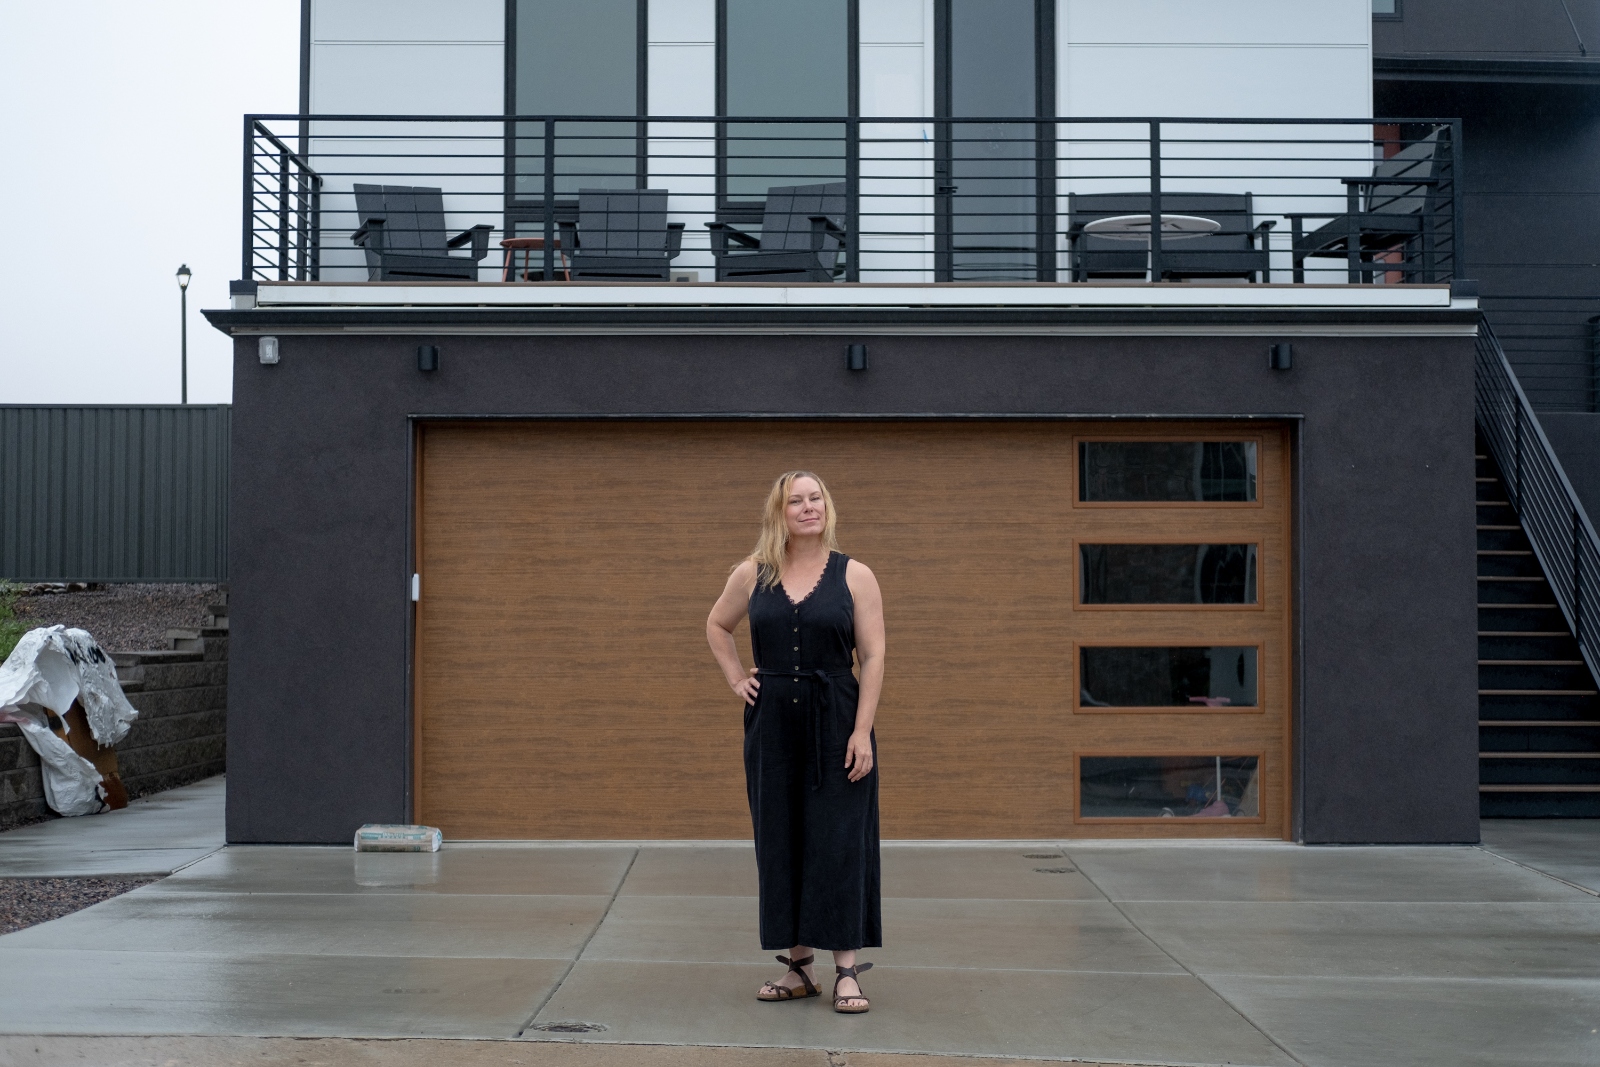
[(896, 79), (682, 37), (408, 57)]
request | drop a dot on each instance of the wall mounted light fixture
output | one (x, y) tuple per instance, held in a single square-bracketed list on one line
[(855, 357), (267, 350), (1281, 356), (427, 357)]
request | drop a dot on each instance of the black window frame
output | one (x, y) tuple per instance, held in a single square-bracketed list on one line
[(533, 209), (1397, 15), (749, 212), (1044, 106)]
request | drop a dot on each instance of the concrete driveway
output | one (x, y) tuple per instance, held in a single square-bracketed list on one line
[(1154, 953)]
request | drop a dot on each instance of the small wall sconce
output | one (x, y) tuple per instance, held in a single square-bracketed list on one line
[(855, 357), (1280, 356), (427, 357), (267, 350)]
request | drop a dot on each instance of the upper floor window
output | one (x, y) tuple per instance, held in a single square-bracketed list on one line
[(578, 59), (1386, 9), (784, 58)]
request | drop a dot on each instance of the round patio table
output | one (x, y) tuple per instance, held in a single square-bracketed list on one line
[(1138, 227)]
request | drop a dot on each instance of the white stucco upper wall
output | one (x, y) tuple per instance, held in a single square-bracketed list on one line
[(1215, 58), (411, 57)]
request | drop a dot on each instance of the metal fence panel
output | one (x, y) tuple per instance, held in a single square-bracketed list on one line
[(113, 493)]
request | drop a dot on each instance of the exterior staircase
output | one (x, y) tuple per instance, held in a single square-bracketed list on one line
[(1538, 705)]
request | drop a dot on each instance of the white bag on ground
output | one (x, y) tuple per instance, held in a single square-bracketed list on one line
[(49, 669)]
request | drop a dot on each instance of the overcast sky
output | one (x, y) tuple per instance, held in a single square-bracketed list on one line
[(120, 123)]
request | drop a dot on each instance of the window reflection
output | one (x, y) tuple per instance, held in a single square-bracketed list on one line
[(1167, 677), (1195, 787), (1167, 574), (1144, 471)]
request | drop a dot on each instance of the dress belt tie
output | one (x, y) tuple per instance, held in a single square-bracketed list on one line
[(818, 695)]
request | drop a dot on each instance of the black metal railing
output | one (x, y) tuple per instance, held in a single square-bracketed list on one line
[(915, 199), (1551, 514), (283, 218)]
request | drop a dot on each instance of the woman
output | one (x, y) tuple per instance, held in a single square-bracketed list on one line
[(810, 758)]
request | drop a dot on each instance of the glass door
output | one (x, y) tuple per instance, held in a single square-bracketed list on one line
[(995, 66), (572, 59)]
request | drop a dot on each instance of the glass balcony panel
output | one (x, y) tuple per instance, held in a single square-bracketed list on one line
[(1167, 574), (1168, 787), (1194, 677)]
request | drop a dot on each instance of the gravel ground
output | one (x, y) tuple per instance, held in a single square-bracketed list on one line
[(27, 902), (122, 618)]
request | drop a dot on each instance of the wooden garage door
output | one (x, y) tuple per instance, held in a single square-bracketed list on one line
[(1087, 624)]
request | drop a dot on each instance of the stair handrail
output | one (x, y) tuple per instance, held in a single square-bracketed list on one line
[(1563, 539)]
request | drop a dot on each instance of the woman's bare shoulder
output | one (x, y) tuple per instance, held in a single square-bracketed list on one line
[(744, 574), (857, 572)]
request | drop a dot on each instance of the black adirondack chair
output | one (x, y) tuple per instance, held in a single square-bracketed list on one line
[(621, 234), (1401, 213), (402, 232), (803, 238), (1237, 250)]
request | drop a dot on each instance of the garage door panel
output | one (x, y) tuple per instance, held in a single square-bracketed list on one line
[(564, 688)]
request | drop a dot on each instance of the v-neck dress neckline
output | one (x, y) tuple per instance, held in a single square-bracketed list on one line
[(826, 564)]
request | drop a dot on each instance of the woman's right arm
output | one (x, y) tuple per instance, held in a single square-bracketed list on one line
[(731, 607)]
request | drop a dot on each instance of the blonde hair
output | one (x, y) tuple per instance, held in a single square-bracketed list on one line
[(772, 546)]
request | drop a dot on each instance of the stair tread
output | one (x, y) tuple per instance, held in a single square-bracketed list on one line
[(1530, 663), (1539, 755), (1536, 692), (1510, 577), (1505, 552), (1482, 526), (1519, 607), (1539, 788), (1589, 724)]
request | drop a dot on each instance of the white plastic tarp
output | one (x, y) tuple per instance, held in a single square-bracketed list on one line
[(49, 669)]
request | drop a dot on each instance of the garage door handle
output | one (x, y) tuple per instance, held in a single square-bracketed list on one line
[(416, 588)]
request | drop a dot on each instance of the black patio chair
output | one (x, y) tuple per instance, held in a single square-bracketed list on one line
[(402, 232), (621, 234), (1402, 212), (1237, 250), (803, 238)]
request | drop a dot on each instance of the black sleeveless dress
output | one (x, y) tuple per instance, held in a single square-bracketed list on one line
[(816, 831)]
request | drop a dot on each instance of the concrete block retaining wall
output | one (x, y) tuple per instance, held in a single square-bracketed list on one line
[(179, 737)]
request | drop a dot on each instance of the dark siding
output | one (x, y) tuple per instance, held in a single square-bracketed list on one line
[(114, 493), (319, 721), (1488, 29), (1532, 220)]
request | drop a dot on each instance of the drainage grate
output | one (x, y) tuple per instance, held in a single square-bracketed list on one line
[(1042, 856), (1053, 870), (567, 1028)]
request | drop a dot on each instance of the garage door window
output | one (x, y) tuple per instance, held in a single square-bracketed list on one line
[(1187, 677), (1167, 574), (1125, 472), (1169, 787)]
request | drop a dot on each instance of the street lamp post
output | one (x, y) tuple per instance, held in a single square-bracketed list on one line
[(183, 314)]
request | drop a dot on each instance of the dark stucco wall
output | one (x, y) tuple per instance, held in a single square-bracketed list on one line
[(318, 721)]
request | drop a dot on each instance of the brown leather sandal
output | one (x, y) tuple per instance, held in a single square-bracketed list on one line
[(838, 1001), (774, 992)]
